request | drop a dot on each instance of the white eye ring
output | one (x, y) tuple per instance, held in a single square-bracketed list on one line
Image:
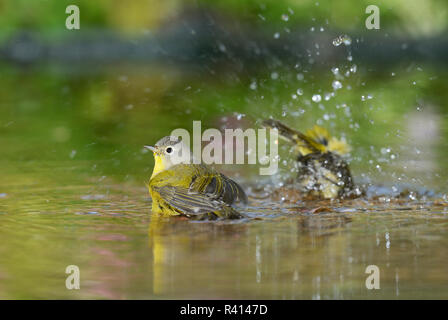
[(169, 150)]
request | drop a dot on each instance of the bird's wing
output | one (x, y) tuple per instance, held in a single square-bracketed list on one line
[(187, 201), (233, 191), (207, 191), (218, 186)]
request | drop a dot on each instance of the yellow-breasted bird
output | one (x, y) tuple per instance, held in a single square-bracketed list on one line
[(322, 170), (180, 187)]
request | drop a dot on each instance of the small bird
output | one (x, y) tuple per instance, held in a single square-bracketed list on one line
[(322, 170), (179, 187)]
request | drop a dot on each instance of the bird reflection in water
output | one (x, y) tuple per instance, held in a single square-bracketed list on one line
[(188, 255)]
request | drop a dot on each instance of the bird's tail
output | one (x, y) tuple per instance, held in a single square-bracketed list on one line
[(304, 143), (316, 139)]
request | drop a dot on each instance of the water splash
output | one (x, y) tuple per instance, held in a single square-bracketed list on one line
[(343, 39), (316, 98), (336, 85)]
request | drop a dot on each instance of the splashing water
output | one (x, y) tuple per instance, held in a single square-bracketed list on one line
[(316, 98), (343, 39), (336, 85)]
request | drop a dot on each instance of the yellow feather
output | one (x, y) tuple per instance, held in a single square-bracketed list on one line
[(326, 141), (159, 164), (340, 147)]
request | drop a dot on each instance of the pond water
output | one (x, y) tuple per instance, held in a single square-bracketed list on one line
[(73, 193)]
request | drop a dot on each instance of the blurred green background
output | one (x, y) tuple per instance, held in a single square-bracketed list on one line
[(135, 71)]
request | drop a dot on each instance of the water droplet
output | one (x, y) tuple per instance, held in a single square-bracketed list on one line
[(239, 116), (300, 76), (222, 47), (276, 35), (253, 85), (344, 39), (274, 75), (316, 98), (299, 92), (335, 70), (336, 85), (285, 17)]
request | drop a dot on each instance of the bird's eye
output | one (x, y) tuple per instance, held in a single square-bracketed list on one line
[(169, 150)]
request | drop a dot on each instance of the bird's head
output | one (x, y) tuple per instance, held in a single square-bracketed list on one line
[(169, 151)]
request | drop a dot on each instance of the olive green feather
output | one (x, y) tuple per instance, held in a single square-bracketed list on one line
[(195, 190)]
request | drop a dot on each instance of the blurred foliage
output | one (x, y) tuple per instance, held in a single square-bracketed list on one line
[(400, 16), (415, 18), (104, 120), (109, 115), (48, 17)]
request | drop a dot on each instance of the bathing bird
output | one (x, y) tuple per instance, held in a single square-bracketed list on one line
[(322, 170), (179, 187)]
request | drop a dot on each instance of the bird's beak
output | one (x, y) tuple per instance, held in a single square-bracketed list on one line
[(150, 148)]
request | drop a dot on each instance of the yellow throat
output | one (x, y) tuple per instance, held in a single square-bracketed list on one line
[(159, 164)]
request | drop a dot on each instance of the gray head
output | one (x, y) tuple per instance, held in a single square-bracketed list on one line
[(167, 141), (166, 145), (169, 151)]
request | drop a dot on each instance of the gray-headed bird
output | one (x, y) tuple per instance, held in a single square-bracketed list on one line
[(179, 187)]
